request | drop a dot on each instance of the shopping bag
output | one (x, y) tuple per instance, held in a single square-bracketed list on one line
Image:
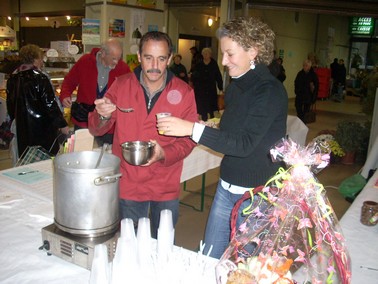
[(80, 111), (351, 186)]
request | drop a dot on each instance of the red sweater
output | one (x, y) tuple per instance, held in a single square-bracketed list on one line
[(161, 180), (84, 76)]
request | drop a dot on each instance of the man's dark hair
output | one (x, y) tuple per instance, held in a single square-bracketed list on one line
[(157, 36)]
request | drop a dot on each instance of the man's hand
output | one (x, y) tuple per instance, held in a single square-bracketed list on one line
[(104, 107), (67, 102), (157, 155)]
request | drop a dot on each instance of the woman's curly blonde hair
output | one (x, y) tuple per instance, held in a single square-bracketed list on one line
[(251, 32)]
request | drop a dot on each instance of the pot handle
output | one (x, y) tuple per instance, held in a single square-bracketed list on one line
[(106, 179)]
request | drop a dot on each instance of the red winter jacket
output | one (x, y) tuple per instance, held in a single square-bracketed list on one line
[(84, 76), (161, 180)]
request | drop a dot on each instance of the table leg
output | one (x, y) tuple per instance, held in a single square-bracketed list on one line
[(203, 186)]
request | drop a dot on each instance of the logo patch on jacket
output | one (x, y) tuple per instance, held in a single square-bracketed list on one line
[(174, 97)]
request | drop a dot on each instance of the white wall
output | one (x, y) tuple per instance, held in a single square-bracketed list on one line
[(326, 35), (107, 12)]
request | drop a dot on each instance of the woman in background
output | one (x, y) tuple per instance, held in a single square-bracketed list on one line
[(178, 68), (206, 77), (32, 104), (254, 119)]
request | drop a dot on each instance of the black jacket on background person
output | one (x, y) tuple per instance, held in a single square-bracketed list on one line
[(206, 78), (306, 86), (31, 102)]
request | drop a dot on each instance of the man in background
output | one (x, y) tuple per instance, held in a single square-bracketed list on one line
[(93, 74)]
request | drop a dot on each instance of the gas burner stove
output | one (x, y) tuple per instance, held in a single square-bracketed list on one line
[(75, 249)]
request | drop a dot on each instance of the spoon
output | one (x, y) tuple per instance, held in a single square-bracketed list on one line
[(125, 109), (101, 154), (25, 173)]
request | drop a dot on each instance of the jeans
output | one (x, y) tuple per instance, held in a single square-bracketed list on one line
[(218, 226), (139, 209)]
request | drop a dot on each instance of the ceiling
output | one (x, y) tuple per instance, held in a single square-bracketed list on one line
[(367, 8)]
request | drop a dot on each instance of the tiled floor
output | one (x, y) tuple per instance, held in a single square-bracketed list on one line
[(191, 224)]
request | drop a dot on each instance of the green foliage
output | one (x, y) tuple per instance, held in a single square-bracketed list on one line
[(350, 135)]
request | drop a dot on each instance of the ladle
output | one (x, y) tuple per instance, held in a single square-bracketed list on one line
[(104, 147)]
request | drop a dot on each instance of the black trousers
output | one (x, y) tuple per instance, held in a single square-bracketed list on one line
[(302, 108)]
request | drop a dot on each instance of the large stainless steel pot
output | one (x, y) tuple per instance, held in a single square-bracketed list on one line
[(85, 198)]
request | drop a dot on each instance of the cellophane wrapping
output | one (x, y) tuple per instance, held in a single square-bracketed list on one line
[(297, 239)]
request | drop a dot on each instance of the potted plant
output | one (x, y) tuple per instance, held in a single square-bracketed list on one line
[(327, 138), (349, 135)]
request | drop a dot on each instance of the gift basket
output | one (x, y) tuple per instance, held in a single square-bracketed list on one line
[(297, 238)]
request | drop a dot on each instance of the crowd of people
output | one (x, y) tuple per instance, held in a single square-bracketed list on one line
[(254, 118)]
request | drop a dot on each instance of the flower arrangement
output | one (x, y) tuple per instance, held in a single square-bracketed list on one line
[(336, 149), (327, 140)]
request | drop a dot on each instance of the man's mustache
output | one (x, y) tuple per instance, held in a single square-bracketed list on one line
[(154, 71)]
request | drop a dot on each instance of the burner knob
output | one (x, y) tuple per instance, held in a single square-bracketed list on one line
[(45, 247)]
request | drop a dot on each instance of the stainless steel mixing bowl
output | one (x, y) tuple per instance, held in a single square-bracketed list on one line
[(137, 152)]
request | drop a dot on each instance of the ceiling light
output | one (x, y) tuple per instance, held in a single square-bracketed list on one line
[(209, 22), (46, 18), (9, 18), (27, 18), (68, 17)]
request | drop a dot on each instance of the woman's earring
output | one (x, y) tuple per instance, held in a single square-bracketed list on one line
[(252, 64)]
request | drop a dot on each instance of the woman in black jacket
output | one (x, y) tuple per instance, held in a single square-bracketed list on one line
[(254, 119), (32, 105)]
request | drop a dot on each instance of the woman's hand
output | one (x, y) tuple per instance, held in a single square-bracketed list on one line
[(104, 107), (174, 126)]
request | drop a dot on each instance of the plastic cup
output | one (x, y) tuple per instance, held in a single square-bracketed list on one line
[(144, 229), (100, 265), (127, 229), (144, 243), (161, 115), (166, 221)]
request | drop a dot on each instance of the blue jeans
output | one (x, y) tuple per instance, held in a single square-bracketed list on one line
[(218, 228), (139, 209)]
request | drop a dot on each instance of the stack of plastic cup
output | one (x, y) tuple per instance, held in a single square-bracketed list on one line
[(144, 243), (125, 258), (165, 235), (100, 271)]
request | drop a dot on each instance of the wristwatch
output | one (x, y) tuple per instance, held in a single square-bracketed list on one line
[(103, 117)]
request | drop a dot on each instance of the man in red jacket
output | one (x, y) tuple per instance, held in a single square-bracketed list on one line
[(152, 88), (93, 74)]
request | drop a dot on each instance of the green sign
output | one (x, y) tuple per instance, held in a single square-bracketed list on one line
[(361, 26)]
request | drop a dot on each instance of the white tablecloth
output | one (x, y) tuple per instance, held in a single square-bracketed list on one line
[(26, 207), (296, 130), (200, 160), (360, 239)]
